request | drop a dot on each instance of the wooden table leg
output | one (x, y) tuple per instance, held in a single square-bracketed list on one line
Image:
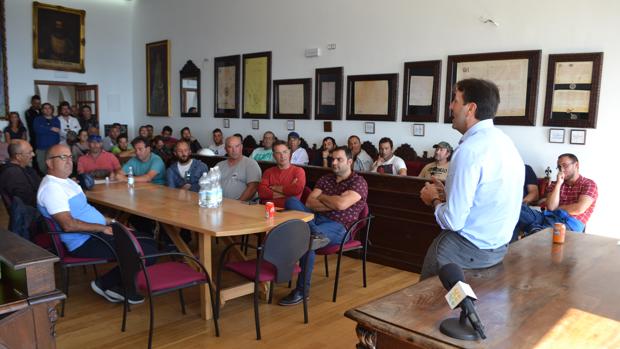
[(204, 249)]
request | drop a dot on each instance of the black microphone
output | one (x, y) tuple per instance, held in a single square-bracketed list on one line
[(450, 275)]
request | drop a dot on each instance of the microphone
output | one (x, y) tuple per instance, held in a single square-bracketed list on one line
[(460, 294)]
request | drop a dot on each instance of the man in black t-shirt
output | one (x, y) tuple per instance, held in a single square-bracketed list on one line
[(17, 178)]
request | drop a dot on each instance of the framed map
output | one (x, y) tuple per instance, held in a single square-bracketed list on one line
[(256, 85), (372, 97), (421, 91), (516, 75), (328, 93), (226, 91), (291, 99), (573, 87)]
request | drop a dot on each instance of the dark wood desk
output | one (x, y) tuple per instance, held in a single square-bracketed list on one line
[(542, 296)]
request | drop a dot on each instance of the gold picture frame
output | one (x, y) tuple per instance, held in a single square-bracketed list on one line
[(58, 37), (158, 78)]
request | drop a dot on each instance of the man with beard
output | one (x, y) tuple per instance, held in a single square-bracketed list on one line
[(47, 129), (387, 162), (98, 162), (186, 172), (68, 124), (361, 160), (439, 167), (31, 114), (194, 145), (336, 201)]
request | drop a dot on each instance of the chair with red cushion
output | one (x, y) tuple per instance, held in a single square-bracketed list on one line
[(350, 242), (155, 279), (66, 259), (277, 262)]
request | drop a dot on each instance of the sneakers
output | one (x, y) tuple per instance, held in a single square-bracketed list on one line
[(114, 296), (96, 287), (319, 241), (293, 298)]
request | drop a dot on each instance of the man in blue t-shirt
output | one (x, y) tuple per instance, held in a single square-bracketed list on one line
[(47, 129), (63, 200), (146, 166)]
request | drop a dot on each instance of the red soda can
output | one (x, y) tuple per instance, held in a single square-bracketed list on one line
[(270, 209)]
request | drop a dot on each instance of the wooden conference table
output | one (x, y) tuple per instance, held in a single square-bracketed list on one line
[(542, 296), (178, 209)]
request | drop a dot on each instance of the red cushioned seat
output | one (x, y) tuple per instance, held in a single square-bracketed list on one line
[(168, 275), (248, 270), (334, 248)]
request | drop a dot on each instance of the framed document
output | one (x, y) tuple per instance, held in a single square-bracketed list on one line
[(369, 127), (226, 90), (256, 85), (290, 125), (556, 135), (158, 78), (328, 93), (254, 124), (291, 99), (226, 123), (58, 37), (577, 136), (515, 74), (573, 86), (421, 91), (418, 130), (372, 97), (327, 126)]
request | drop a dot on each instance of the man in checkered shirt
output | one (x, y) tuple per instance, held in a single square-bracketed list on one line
[(570, 200)]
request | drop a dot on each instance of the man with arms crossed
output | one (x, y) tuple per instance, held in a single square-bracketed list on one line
[(282, 181), (484, 188)]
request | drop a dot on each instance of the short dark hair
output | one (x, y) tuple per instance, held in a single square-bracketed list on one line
[(64, 104), (138, 140), (571, 156), (217, 130), (185, 128), (148, 126), (116, 124), (121, 136), (166, 128), (386, 140), (86, 106), (14, 148), (331, 139), (354, 136), (35, 97), (181, 141), (239, 135), (346, 151), (47, 103), (279, 142), (482, 92)]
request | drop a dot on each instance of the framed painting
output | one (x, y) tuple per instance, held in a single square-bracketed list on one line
[(158, 78), (58, 37), (372, 97), (573, 87), (4, 84), (291, 99), (516, 75), (328, 93), (256, 85), (421, 91), (226, 92)]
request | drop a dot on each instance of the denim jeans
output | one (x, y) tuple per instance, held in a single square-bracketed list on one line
[(319, 225), (531, 220)]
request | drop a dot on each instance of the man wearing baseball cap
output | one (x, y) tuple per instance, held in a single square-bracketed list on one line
[(98, 162), (439, 167), (299, 155)]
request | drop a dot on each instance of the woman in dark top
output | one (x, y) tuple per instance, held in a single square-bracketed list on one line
[(323, 156), (16, 129)]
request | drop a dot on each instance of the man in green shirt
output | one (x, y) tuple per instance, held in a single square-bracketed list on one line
[(122, 147), (146, 167), (265, 153)]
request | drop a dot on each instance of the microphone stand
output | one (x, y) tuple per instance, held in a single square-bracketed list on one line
[(461, 328)]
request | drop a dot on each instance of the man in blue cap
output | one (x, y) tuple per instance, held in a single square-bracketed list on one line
[(299, 155), (98, 162)]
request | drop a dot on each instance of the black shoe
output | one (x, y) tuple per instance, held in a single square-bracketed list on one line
[(319, 241), (117, 294), (96, 287), (293, 298)]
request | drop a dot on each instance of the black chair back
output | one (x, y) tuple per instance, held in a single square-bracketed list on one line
[(128, 253), (285, 245)]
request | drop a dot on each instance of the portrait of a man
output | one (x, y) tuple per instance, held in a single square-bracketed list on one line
[(158, 78), (58, 37)]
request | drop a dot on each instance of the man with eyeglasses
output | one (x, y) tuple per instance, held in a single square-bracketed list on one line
[(282, 181), (17, 177), (570, 200)]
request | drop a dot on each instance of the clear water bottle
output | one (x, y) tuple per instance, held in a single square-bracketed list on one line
[(218, 184), (203, 193), (212, 191), (130, 180)]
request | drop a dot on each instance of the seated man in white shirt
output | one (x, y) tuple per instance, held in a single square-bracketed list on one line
[(218, 143), (299, 155), (388, 162)]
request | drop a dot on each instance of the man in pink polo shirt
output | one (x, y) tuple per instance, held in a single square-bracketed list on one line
[(98, 162)]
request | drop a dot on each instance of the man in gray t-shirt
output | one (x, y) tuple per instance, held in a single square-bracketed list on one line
[(239, 175)]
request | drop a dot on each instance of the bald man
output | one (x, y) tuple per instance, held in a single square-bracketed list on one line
[(63, 200), (17, 177), (240, 174)]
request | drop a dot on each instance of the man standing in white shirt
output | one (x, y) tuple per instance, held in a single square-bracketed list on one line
[(387, 162), (299, 155), (67, 122), (480, 203)]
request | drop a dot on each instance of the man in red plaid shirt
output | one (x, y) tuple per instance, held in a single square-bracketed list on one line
[(570, 200)]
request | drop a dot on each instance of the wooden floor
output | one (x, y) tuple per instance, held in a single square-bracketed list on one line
[(92, 322)]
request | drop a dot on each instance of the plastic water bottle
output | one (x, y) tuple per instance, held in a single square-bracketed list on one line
[(218, 184), (212, 191), (130, 179), (203, 193)]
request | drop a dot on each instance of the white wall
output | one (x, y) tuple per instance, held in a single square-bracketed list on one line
[(108, 57), (371, 37)]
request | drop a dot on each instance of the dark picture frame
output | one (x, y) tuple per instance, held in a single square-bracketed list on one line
[(521, 110), (421, 82), (328, 93), (189, 85), (4, 84), (555, 134), (372, 97), (290, 125), (255, 124), (226, 79), (291, 98), (58, 37), (418, 130), (158, 78), (226, 123), (256, 85), (578, 137), (573, 89)]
